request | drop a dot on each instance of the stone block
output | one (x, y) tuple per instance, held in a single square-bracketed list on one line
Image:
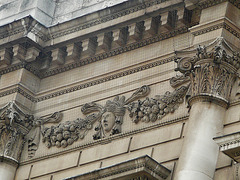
[(58, 56), (124, 157), (233, 14), (30, 81), (232, 128), (76, 170), (113, 148), (232, 115), (89, 46), (104, 41), (156, 136), (18, 53), (50, 165), (32, 54), (5, 56), (23, 172), (167, 151), (213, 13), (73, 52), (224, 173), (223, 161), (10, 79)]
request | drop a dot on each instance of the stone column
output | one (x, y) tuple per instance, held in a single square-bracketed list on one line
[(14, 126), (212, 71), (8, 169)]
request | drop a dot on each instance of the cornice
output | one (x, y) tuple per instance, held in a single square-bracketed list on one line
[(230, 145), (201, 5), (98, 57), (20, 90), (11, 32), (49, 36), (40, 32), (218, 26), (106, 140), (106, 18), (209, 3), (114, 52), (35, 99), (12, 68), (141, 165)]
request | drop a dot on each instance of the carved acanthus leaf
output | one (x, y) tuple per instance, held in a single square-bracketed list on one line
[(212, 70), (179, 80), (14, 126), (141, 92)]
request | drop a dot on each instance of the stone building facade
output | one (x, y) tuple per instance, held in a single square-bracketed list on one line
[(120, 89)]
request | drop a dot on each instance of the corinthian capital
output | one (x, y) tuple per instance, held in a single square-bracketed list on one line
[(212, 70), (14, 126)]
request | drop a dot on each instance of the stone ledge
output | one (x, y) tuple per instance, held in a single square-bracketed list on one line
[(230, 145), (140, 167)]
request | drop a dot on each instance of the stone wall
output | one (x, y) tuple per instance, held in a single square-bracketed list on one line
[(115, 81)]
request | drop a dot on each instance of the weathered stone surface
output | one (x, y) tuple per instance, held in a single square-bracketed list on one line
[(111, 149), (55, 164), (80, 58), (165, 134)]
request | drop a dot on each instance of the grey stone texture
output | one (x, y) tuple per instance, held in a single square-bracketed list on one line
[(51, 12), (119, 89)]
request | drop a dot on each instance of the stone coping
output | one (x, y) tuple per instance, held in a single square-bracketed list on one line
[(143, 166)]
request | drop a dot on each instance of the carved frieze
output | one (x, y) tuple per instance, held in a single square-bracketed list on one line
[(212, 70), (109, 119), (151, 109)]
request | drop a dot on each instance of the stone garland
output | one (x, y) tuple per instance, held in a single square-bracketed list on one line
[(109, 117), (149, 110), (16, 127)]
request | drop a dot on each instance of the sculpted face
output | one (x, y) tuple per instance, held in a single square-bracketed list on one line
[(108, 121)]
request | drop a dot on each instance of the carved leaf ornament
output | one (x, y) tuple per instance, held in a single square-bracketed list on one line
[(158, 107), (207, 72), (212, 70), (14, 125), (109, 117)]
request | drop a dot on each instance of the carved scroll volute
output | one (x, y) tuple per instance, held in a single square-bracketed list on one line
[(212, 71), (14, 126)]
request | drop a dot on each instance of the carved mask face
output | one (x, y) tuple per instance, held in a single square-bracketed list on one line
[(108, 121)]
